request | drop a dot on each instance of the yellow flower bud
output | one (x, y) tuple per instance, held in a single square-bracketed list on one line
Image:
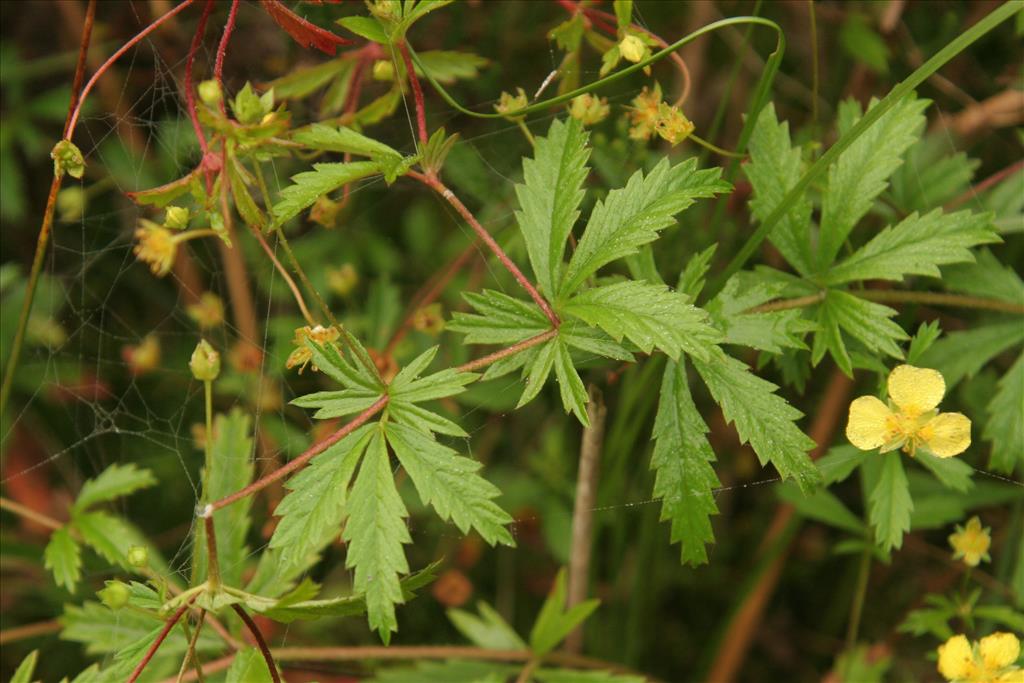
[(210, 94), (176, 217), (632, 49), (205, 362), (383, 70)]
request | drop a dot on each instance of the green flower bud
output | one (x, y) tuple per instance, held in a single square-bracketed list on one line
[(205, 362), (177, 217), (115, 595), (210, 94), (71, 203), (67, 158), (383, 70), (138, 556)]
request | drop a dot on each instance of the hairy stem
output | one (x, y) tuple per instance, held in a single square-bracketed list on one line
[(260, 642), (30, 514), (417, 92), (190, 91), (435, 184), (222, 50), (212, 559), (42, 628), (160, 638)]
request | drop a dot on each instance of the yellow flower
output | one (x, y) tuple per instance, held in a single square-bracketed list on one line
[(672, 124), (156, 246), (989, 661), (508, 103), (644, 113), (302, 354), (910, 420), (343, 279), (208, 311), (971, 543), (428, 319), (588, 109), (144, 357), (632, 49)]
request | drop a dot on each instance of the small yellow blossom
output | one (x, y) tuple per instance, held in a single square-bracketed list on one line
[(644, 113), (588, 109), (672, 124), (156, 246), (177, 217), (343, 279), (144, 357), (632, 49), (508, 103), (302, 354), (971, 542), (989, 661), (325, 211), (911, 420), (208, 312), (428, 319)]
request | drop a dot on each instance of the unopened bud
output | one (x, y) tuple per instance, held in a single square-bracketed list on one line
[(205, 362), (177, 217), (115, 595), (383, 70), (210, 94), (67, 158), (138, 556)]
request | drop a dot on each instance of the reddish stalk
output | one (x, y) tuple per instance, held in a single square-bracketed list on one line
[(190, 92), (435, 184), (260, 642), (222, 48), (164, 632), (985, 184), (506, 352), (300, 461), (69, 129), (417, 92)]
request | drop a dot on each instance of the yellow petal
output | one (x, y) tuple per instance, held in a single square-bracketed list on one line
[(956, 660), (947, 434), (999, 650), (869, 423), (1011, 677), (915, 390)]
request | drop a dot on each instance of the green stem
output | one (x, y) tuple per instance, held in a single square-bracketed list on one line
[(859, 595), (901, 90), (208, 441)]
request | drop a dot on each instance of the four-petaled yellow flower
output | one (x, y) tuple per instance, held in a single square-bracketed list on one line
[(911, 420), (302, 353), (989, 661), (971, 543)]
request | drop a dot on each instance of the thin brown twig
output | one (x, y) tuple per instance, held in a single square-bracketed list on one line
[(975, 190), (260, 642), (30, 514), (435, 184), (222, 50), (41, 628), (506, 352), (190, 654), (583, 510), (283, 272), (190, 92), (417, 92)]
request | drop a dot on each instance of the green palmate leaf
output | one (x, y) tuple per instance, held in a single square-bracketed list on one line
[(450, 483), (890, 500), (861, 172), (918, 245), (953, 472), (570, 386), (312, 512), (761, 416), (1005, 426), (770, 331), (536, 369), (112, 536), (104, 632), (867, 322), (333, 404), (634, 215), (986, 277), (114, 482), (823, 506), (447, 66), (501, 319), (774, 168), (365, 27), (488, 630), (930, 177), (685, 481), (311, 185), (356, 377), (330, 139), (305, 81), (248, 667), (1006, 202), (963, 354), (550, 196), (650, 316), (63, 557), (247, 209), (375, 534), (555, 622), (591, 340), (409, 387), (576, 676)]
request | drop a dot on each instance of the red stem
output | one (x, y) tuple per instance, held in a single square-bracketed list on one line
[(164, 632), (190, 93), (83, 50), (504, 353), (439, 187), (298, 462), (222, 48), (260, 642), (69, 129), (417, 92)]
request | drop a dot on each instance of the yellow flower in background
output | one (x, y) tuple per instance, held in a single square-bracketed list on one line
[(302, 355), (208, 312), (588, 109), (911, 420), (644, 113), (508, 103), (971, 542), (672, 124), (989, 661), (156, 246)]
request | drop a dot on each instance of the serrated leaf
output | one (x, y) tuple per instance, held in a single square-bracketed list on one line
[(930, 176), (962, 354), (105, 632), (247, 209), (330, 362), (952, 472), (63, 557), (593, 340), (762, 417), (861, 171), (890, 500), (112, 536), (685, 480), (768, 331), (570, 386), (365, 27), (114, 482), (500, 319), (867, 322), (23, 674), (312, 512), (985, 277), (448, 66), (555, 622), (488, 630), (375, 534), (918, 245), (333, 404), (635, 214), (650, 316), (1005, 426), (427, 421), (248, 666), (330, 139), (303, 81), (450, 483), (550, 196), (536, 371), (775, 166), (309, 186)]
